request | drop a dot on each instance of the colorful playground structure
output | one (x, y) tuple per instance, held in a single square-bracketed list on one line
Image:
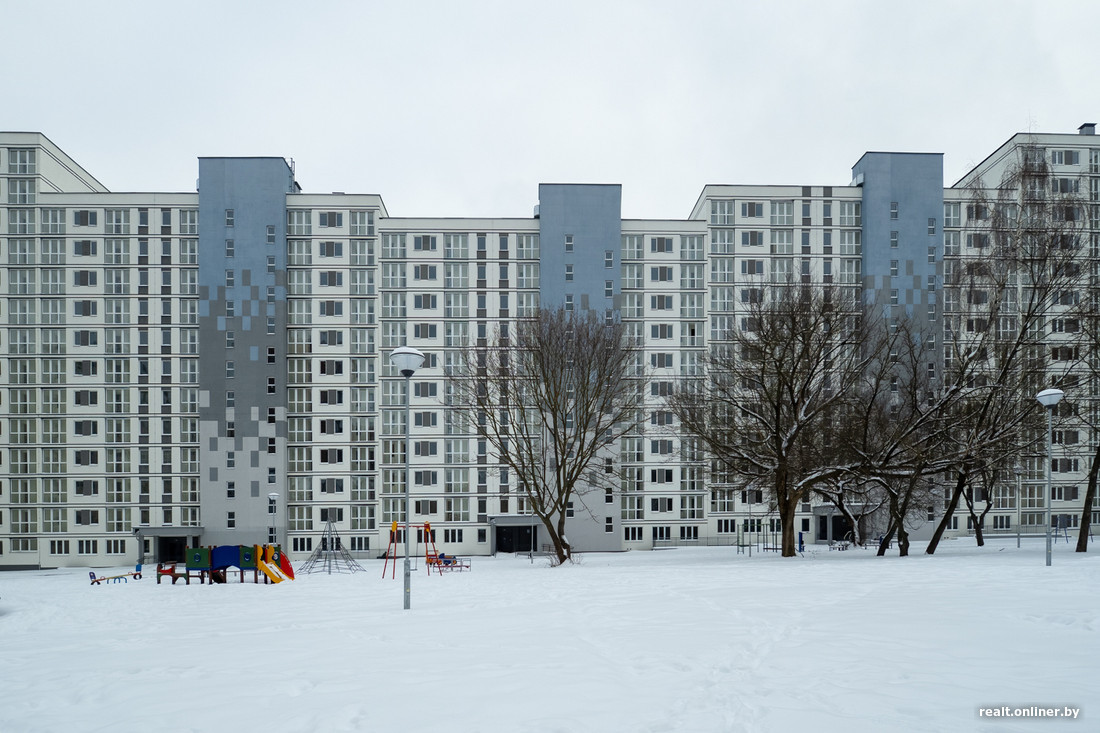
[(123, 578), (433, 559), (216, 564)]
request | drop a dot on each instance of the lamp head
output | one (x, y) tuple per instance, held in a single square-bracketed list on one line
[(407, 360), (1050, 397)]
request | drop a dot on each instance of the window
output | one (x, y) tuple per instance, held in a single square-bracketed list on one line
[(721, 213), (1065, 157), (424, 244), (977, 212), (893, 209), (660, 274), (189, 221), (782, 213), (952, 214), (331, 219), (660, 244), (362, 223), (330, 249), (978, 241), (750, 209), (21, 161), (851, 213)]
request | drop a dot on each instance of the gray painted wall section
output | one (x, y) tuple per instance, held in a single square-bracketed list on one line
[(255, 189), (592, 215), (915, 182)]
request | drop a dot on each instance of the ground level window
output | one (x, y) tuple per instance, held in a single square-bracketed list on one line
[(359, 544), (302, 544), (452, 535), (662, 534), (632, 534), (87, 547), (689, 533), (116, 547), (59, 547)]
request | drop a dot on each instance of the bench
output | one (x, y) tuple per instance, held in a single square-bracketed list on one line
[(841, 546), (442, 562), (168, 570)]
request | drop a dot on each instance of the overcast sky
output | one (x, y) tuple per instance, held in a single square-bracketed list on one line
[(462, 108)]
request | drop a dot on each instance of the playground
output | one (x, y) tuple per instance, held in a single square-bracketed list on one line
[(688, 639), (219, 564)]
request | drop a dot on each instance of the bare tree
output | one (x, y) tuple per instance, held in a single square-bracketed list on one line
[(855, 499), (896, 427), (1087, 324), (551, 400), (996, 306), (766, 408)]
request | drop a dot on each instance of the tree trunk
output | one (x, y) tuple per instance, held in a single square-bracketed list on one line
[(903, 540), (786, 517), (981, 517), (896, 519), (975, 521), (1086, 511), (852, 522), (885, 541), (948, 513), (561, 548)]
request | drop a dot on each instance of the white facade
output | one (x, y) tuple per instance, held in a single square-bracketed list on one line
[(100, 363)]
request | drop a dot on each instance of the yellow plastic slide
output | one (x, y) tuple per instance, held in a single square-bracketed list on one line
[(271, 570)]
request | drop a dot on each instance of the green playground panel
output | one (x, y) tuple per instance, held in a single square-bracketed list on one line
[(248, 557), (198, 558)]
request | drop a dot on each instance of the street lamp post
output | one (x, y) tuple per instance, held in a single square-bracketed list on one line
[(1048, 398), (1019, 501), (407, 360)]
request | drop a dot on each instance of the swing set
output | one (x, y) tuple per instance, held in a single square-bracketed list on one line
[(433, 559)]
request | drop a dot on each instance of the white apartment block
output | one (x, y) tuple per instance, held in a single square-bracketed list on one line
[(174, 365)]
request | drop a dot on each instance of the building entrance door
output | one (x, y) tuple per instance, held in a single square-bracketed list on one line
[(515, 539), (171, 549)]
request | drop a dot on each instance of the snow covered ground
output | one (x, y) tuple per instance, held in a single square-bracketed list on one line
[(679, 640)]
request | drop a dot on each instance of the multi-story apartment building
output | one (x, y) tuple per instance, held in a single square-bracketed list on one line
[(211, 367)]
